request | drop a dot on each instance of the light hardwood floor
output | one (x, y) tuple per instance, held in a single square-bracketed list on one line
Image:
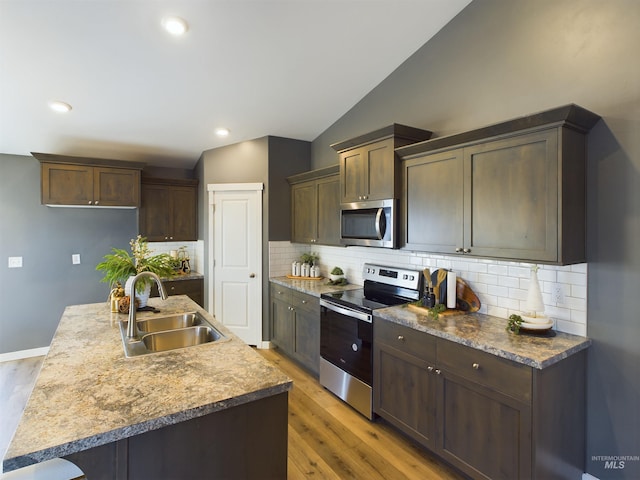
[(330, 440)]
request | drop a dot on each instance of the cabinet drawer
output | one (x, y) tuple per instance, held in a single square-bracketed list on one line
[(405, 339), (493, 372), (182, 287), (302, 301), (280, 292)]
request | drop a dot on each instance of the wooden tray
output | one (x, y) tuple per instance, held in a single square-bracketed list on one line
[(303, 278)]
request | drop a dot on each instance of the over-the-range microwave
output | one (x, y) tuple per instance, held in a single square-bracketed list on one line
[(369, 224)]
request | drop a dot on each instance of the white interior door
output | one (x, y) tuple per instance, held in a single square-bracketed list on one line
[(235, 241)]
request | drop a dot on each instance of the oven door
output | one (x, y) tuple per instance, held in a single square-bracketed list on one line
[(346, 338)]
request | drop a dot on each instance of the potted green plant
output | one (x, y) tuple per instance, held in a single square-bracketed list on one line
[(336, 274), (120, 266)]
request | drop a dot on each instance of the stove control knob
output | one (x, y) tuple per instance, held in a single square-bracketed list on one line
[(411, 277), (405, 276), (354, 347)]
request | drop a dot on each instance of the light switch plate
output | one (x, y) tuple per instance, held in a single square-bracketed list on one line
[(15, 262), (75, 259)]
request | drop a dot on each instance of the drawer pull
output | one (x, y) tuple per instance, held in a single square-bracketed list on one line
[(476, 366), (304, 301), (438, 371), (401, 338), (430, 369)]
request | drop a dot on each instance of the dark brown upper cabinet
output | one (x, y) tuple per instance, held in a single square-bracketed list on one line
[(514, 191), (90, 182), (315, 206), (369, 168), (169, 210)]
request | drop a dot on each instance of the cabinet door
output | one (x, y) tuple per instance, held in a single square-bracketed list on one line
[(193, 288), (183, 213), (281, 319), (154, 213), (511, 202), (352, 175), (67, 184), (484, 433), (116, 187), (433, 202), (404, 392), (304, 212), (328, 227), (380, 171)]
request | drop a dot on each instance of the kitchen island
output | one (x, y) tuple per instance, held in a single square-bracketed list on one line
[(217, 408)]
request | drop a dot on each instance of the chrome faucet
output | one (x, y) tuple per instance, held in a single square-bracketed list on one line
[(132, 331)]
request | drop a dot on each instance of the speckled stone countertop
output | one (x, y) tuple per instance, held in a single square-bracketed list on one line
[(185, 276), (312, 287), (487, 333), (89, 394)]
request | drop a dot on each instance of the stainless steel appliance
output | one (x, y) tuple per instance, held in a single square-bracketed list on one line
[(346, 331), (369, 224)]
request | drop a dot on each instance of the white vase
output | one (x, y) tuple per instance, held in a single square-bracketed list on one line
[(143, 297)]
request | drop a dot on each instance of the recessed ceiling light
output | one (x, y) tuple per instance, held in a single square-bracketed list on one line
[(60, 107), (174, 25), (222, 132)]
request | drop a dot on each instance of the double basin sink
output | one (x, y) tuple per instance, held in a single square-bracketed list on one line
[(170, 332)]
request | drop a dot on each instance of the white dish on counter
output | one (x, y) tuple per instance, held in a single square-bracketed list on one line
[(537, 326)]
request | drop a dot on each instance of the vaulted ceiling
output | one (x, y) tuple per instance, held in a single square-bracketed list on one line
[(257, 67)]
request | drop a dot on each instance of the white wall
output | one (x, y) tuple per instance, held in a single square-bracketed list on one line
[(501, 286)]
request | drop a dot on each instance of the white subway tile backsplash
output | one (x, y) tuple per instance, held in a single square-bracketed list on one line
[(501, 286)]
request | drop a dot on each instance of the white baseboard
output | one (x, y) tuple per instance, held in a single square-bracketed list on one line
[(20, 354), (265, 345), (586, 476)]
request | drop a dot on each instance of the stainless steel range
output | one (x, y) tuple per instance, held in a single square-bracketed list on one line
[(346, 331)]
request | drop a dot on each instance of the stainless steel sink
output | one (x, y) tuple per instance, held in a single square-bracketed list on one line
[(160, 324), (159, 334), (180, 338)]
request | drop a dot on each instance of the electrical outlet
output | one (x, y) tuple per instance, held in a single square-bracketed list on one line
[(557, 294), (15, 262), (75, 259)]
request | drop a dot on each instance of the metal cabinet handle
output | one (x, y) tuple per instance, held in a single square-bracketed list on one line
[(252, 275), (304, 301), (96, 202), (466, 250), (90, 202), (476, 366), (438, 371), (430, 368), (401, 338), (458, 249)]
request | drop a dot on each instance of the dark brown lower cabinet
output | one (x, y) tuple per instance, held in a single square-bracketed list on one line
[(295, 325), (490, 417), (193, 288), (245, 441)]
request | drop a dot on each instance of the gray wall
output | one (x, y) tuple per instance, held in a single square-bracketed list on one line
[(500, 59), (33, 297), (266, 160)]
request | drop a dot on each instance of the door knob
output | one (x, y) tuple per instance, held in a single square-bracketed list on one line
[(252, 275)]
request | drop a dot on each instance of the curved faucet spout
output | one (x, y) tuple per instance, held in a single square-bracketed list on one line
[(132, 331)]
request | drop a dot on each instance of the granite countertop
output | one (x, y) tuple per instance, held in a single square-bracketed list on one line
[(184, 276), (312, 287), (487, 333), (89, 394)]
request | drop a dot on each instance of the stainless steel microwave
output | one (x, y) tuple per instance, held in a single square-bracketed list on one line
[(369, 224)]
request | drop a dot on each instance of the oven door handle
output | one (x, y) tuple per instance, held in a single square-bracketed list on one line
[(346, 311)]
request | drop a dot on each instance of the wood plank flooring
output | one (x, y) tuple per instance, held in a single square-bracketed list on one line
[(330, 440)]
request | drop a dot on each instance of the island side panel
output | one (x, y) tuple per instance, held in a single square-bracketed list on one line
[(246, 441)]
